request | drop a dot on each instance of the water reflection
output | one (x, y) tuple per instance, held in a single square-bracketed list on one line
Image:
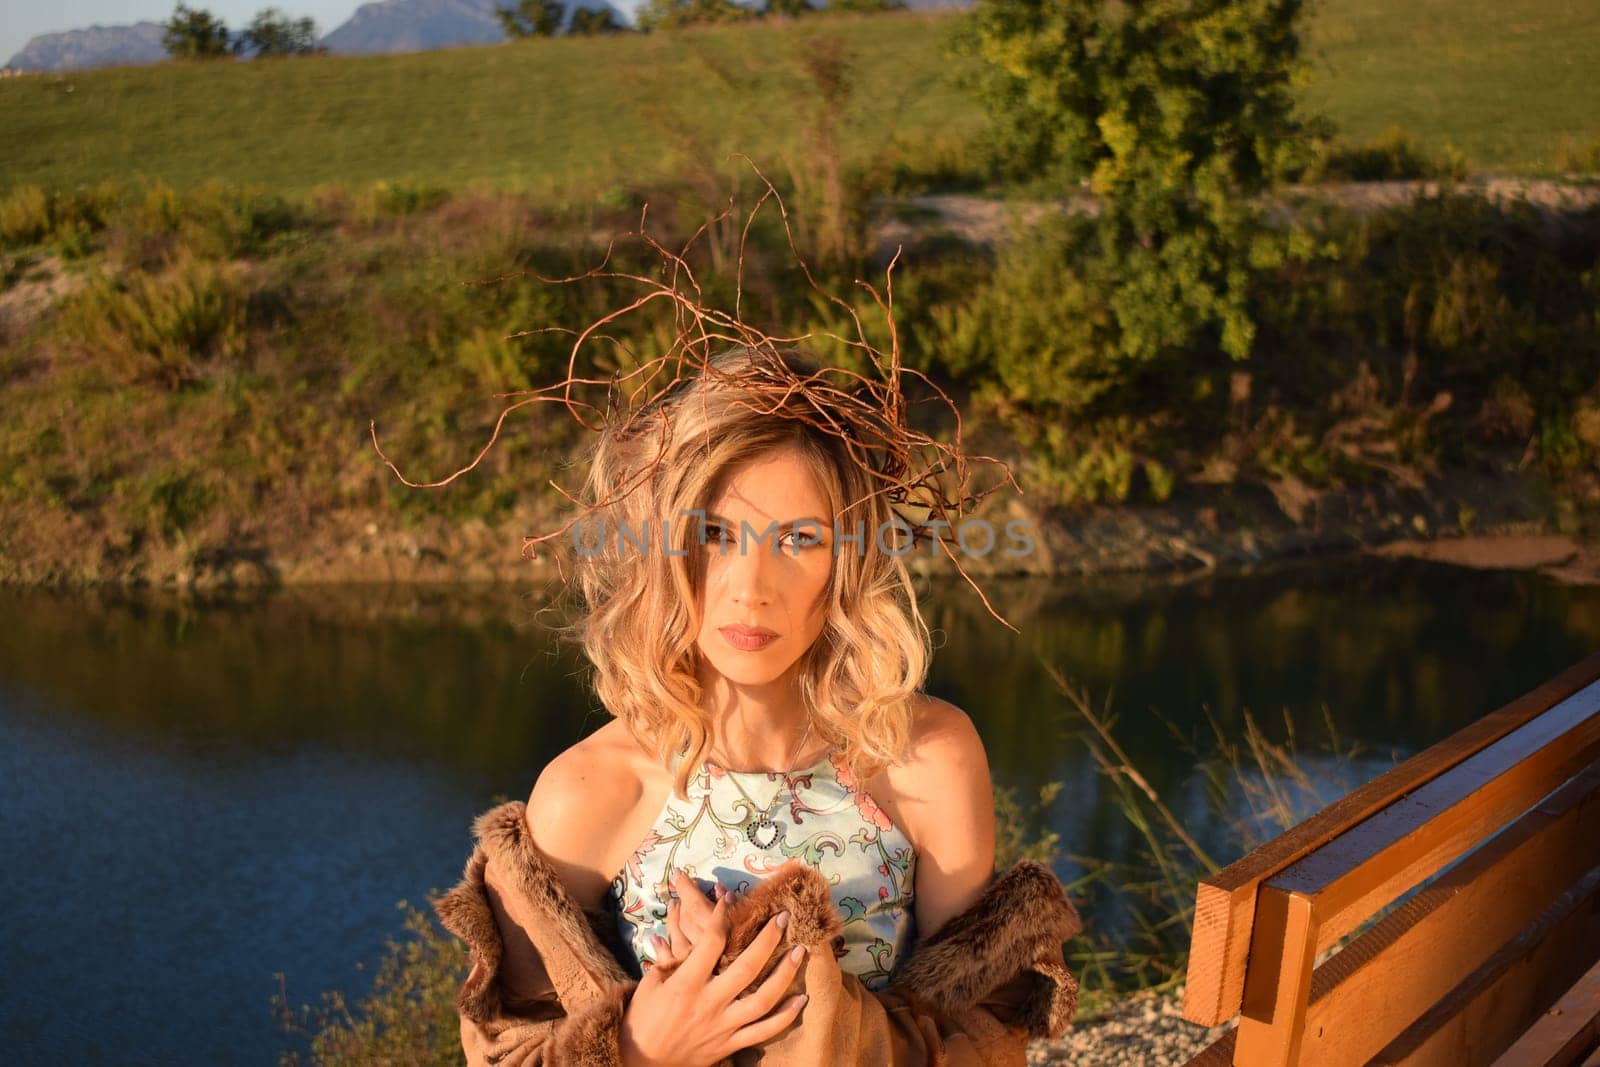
[(200, 794)]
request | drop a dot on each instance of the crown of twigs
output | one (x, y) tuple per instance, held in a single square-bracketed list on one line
[(928, 482)]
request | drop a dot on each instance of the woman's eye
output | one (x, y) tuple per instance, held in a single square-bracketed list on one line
[(799, 539)]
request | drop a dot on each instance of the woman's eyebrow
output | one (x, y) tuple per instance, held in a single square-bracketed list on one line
[(786, 522)]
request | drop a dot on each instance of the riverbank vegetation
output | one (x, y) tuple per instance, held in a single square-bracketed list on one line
[(196, 365), (198, 370)]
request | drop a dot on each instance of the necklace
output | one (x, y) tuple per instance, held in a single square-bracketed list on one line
[(759, 828)]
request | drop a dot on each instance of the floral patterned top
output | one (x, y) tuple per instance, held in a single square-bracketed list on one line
[(821, 815)]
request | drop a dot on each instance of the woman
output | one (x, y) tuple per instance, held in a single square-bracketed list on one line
[(755, 637)]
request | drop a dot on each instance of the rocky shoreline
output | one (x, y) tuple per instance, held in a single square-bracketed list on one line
[(1142, 1030)]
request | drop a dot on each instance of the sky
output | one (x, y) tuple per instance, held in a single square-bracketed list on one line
[(22, 19)]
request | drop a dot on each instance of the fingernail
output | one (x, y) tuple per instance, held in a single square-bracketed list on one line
[(801, 999), (783, 919), (797, 953)]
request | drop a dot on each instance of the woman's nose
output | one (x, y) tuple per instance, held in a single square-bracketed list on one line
[(751, 570)]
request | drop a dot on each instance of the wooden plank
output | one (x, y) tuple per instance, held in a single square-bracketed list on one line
[(1379, 984), (1217, 1054), (1278, 983), (1484, 1015), (1225, 903), (1373, 863), (1565, 1032)]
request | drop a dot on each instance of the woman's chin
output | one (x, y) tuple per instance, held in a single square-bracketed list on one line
[(748, 668)]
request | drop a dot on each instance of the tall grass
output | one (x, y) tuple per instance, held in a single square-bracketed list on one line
[(1254, 787)]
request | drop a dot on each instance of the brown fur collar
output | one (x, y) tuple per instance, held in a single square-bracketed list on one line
[(1010, 936)]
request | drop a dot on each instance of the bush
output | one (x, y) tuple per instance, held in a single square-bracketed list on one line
[(173, 504), (25, 216), (162, 328), (386, 199), (31, 216), (215, 220), (1176, 115), (1394, 156), (410, 1015), (1576, 158)]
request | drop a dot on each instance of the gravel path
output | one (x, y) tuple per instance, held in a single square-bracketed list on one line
[(1142, 1031)]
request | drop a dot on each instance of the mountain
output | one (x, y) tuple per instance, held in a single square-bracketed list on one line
[(97, 46), (382, 26), (416, 26)]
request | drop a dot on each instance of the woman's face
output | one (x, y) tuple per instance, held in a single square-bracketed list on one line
[(782, 593)]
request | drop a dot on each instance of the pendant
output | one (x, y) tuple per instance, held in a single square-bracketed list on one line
[(762, 833)]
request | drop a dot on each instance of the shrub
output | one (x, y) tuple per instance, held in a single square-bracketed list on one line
[(1576, 158), (25, 216), (1393, 156), (1176, 114), (215, 220), (386, 199), (410, 1015), (164, 327), (30, 216), (172, 503)]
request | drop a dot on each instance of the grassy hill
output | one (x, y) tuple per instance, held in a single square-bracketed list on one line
[(1512, 88)]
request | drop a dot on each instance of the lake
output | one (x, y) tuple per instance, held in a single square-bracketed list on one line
[(199, 794)]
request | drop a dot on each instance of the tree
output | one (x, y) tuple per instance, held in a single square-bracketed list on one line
[(272, 33), (790, 8), (1177, 115), (675, 14), (532, 18), (192, 34), (591, 21)]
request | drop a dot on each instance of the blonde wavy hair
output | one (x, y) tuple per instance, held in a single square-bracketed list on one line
[(639, 616)]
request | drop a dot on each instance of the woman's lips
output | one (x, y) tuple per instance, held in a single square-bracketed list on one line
[(747, 638)]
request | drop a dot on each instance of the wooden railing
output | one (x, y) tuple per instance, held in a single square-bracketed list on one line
[(1499, 825)]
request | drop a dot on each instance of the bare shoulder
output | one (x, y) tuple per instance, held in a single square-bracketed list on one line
[(945, 745), (949, 812), (577, 802), (946, 767)]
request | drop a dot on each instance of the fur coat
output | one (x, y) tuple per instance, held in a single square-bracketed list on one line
[(550, 980)]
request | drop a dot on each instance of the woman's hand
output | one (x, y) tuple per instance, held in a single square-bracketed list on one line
[(688, 914), (696, 1018)]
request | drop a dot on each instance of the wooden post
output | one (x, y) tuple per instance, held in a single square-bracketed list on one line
[(1283, 948)]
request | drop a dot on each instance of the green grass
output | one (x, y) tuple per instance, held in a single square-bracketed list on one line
[(598, 116), (541, 115), (1505, 83)]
